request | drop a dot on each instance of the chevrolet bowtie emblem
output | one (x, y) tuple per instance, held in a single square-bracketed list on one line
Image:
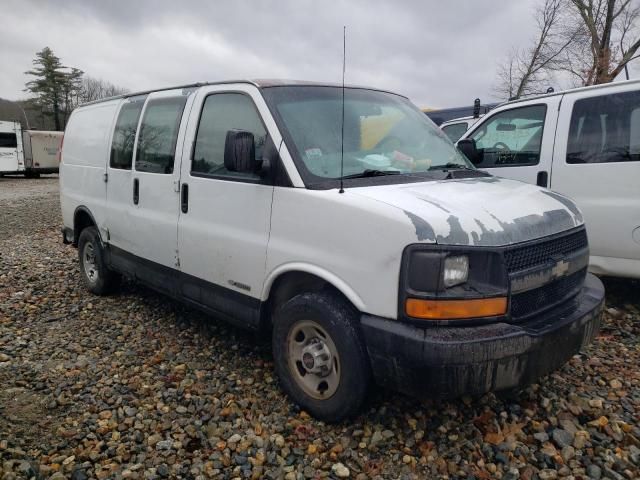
[(560, 269)]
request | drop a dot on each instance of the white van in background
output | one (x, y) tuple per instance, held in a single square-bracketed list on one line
[(396, 262), (458, 126), (30, 152), (583, 143)]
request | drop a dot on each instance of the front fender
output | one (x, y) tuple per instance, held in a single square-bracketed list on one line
[(319, 272)]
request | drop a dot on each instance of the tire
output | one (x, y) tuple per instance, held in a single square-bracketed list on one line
[(306, 327), (97, 277)]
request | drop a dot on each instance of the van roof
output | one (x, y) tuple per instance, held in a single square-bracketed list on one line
[(259, 83), (570, 90), (462, 119)]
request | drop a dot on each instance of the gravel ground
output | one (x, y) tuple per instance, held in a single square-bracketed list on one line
[(137, 386)]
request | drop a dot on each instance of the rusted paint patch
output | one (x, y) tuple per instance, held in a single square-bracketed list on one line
[(424, 231)]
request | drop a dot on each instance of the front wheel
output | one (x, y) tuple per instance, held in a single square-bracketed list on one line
[(97, 277), (320, 356)]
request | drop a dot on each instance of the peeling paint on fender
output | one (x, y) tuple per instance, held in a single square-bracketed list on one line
[(457, 235), (424, 231), (566, 202)]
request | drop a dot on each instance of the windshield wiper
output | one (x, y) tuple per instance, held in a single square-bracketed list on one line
[(451, 166), (372, 173)]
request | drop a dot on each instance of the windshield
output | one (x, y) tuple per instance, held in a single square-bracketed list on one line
[(383, 133)]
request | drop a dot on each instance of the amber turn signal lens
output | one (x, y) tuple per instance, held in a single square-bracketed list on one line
[(454, 309)]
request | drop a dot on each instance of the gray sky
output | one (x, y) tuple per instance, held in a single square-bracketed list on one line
[(436, 52)]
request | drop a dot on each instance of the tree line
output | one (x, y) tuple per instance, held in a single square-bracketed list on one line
[(578, 43), (56, 90)]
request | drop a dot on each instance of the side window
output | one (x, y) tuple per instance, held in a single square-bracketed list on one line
[(222, 112), (158, 135), (605, 129), (455, 130), (124, 134), (512, 138), (8, 140)]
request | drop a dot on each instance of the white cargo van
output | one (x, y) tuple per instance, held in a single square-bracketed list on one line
[(30, 152), (396, 261), (455, 128), (583, 143)]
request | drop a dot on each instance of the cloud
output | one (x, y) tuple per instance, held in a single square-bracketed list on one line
[(437, 53)]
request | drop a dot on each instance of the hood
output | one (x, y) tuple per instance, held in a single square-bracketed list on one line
[(488, 211)]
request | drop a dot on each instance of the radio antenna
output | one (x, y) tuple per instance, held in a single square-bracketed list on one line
[(344, 54)]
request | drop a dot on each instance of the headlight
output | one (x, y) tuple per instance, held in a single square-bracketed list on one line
[(456, 270), (457, 283)]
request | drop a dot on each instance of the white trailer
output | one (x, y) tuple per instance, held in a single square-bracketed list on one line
[(11, 154), (41, 151), (30, 152)]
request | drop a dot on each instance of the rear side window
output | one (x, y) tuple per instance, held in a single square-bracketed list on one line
[(223, 112), (159, 134), (8, 140), (455, 130), (124, 135), (605, 129), (512, 138)]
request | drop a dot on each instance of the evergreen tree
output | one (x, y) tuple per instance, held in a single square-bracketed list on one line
[(52, 86)]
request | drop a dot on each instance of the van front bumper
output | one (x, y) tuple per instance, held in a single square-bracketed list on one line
[(453, 361)]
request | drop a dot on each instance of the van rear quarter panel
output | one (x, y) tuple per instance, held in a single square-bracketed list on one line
[(85, 153)]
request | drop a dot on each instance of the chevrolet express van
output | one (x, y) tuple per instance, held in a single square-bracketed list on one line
[(455, 128), (583, 143), (369, 248)]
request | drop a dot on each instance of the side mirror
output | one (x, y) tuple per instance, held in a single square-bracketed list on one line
[(240, 152), (468, 147)]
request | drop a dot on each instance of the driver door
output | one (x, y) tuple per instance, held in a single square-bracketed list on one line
[(517, 142)]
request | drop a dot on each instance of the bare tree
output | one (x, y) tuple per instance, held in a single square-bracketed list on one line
[(526, 71), (591, 41), (93, 88), (605, 37)]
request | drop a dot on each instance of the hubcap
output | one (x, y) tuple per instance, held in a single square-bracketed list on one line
[(313, 359), (89, 263)]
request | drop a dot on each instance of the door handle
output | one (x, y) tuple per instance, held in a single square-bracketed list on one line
[(543, 179), (184, 198), (136, 191)]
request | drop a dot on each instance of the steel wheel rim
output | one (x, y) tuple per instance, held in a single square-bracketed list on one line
[(89, 263), (313, 359)]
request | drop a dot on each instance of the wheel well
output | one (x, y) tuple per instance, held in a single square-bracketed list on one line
[(81, 220), (290, 284)]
